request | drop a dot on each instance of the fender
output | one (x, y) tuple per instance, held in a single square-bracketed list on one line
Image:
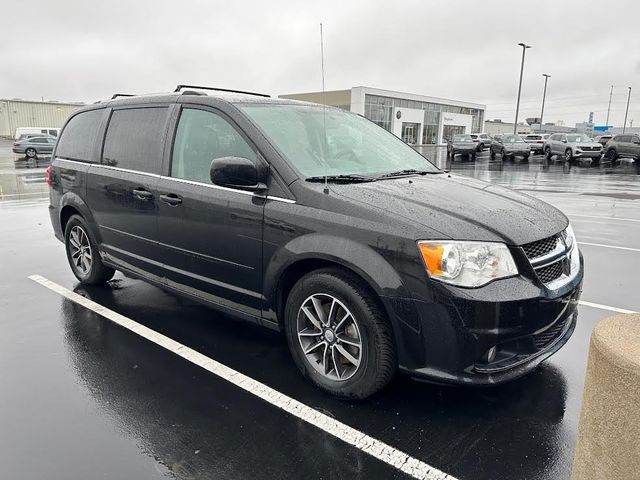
[(72, 199), (356, 257)]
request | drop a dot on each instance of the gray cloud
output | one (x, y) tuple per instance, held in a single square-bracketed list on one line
[(84, 50)]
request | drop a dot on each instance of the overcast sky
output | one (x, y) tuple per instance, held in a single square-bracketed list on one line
[(81, 50)]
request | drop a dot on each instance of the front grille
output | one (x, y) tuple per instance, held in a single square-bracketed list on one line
[(551, 272), (540, 248), (545, 338), (589, 148)]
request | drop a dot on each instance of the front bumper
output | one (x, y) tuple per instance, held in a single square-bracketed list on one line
[(18, 150), (519, 319), (588, 154), (522, 152)]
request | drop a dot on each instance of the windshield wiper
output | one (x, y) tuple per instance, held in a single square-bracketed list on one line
[(341, 178), (408, 171)]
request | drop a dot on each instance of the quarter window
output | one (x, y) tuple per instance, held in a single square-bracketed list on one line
[(79, 136), (201, 137), (134, 139)]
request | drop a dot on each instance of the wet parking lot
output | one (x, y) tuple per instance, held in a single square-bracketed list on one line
[(83, 397)]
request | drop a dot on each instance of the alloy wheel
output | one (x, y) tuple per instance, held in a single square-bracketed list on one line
[(329, 336), (80, 250), (31, 152)]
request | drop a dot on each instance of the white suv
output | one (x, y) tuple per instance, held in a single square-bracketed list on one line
[(570, 146)]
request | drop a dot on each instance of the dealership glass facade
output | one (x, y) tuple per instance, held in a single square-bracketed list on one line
[(379, 109)]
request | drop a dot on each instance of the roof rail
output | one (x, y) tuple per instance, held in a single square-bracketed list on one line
[(180, 87), (116, 95)]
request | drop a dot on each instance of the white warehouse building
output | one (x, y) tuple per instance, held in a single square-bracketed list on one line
[(417, 119), (17, 113)]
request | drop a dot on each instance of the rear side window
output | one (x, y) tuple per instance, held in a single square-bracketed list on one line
[(134, 139), (79, 136), (201, 137)]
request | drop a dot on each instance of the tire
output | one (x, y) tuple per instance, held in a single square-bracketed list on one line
[(78, 238), (503, 154), (612, 156), (525, 158), (31, 153), (547, 153), (492, 154), (376, 356), (473, 157), (568, 155), (595, 162)]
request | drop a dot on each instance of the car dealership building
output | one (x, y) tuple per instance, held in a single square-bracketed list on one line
[(417, 119)]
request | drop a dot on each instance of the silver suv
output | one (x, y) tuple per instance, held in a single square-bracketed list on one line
[(571, 146), (482, 140)]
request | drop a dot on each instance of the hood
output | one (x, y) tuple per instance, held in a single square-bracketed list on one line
[(460, 208), (515, 145)]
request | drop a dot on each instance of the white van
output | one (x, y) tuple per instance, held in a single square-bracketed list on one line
[(26, 132)]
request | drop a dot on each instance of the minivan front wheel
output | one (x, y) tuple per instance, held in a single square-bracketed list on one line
[(339, 335), (82, 253)]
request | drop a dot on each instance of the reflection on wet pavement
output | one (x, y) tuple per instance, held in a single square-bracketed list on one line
[(20, 178)]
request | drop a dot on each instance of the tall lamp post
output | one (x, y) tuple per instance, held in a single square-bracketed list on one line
[(515, 124), (544, 95), (626, 112)]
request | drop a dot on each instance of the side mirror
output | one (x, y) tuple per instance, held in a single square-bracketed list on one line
[(564, 140), (239, 173)]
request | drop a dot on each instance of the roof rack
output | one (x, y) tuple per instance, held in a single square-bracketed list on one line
[(180, 87), (116, 95)]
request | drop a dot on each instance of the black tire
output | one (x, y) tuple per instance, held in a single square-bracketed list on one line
[(378, 355), (568, 155), (612, 156), (96, 272), (31, 153), (503, 154), (492, 154), (525, 158), (473, 157), (595, 162), (547, 153)]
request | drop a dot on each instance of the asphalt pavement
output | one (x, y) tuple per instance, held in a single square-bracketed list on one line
[(82, 397)]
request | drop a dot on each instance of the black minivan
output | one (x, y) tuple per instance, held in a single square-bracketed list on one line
[(319, 223)]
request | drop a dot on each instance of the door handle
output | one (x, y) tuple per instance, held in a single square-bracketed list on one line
[(171, 198), (142, 194)]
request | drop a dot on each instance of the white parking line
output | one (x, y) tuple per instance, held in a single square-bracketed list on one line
[(609, 246), (601, 217), (605, 307), (339, 430)]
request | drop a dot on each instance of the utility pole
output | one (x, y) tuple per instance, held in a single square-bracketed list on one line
[(544, 94), (626, 112), (609, 107), (515, 124)]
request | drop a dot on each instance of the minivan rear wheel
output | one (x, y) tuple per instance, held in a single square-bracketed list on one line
[(339, 335), (82, 253)]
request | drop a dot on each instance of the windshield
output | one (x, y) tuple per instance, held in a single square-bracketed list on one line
[(354, 145), (462, 138), (578, 138), (512, 139)]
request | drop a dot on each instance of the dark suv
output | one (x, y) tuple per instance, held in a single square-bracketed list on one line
[(317, 222), (623, 146)]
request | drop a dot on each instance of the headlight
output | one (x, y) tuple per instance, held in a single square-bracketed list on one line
[(569, 237), (467, 264)]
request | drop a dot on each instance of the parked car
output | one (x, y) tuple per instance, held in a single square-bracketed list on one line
[(623, 146), (571, 146), (536, 141), (603, 139), (482, 140), (368, 257), (33, 146), (509, 146), (461, 145)]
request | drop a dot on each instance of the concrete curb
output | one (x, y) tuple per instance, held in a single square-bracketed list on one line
[(608, 446)]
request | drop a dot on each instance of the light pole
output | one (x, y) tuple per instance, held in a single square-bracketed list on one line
[(544, 94), (515, 124), (626, 112), (609, 107)]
